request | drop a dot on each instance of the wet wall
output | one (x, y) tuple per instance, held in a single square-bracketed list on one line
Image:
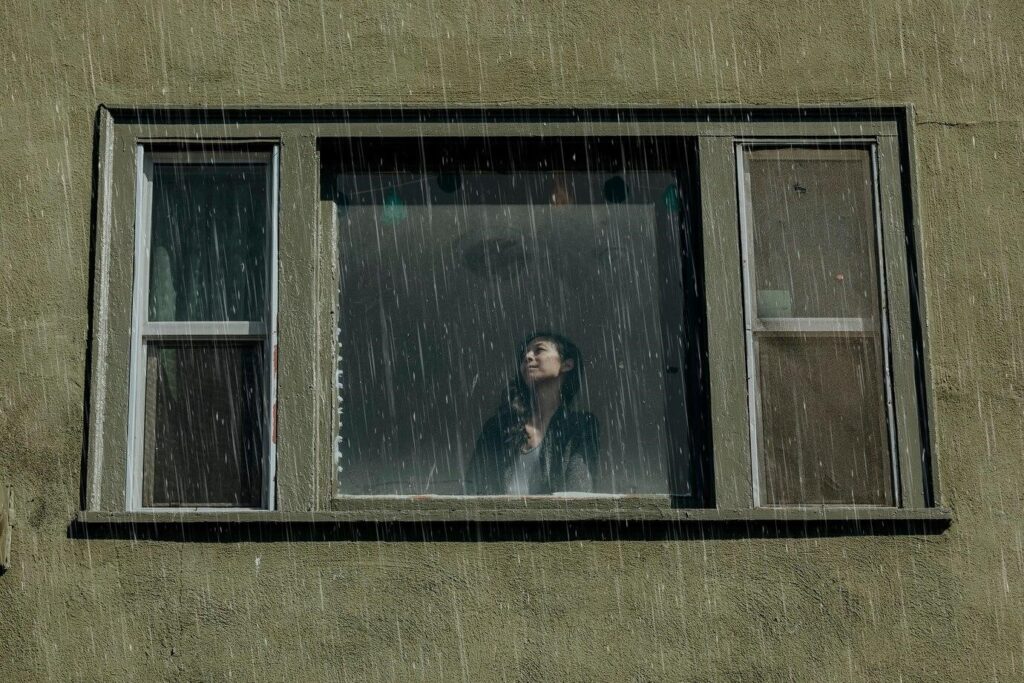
[(725, 607)]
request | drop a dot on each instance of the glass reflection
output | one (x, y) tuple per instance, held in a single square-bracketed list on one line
[(208, 250), (816, 329), (443, 273)]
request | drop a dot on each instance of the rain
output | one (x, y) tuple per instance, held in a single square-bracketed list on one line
[(526, 341)]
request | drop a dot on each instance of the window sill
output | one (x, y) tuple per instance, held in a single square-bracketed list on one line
[(559, 508), (497, 518)]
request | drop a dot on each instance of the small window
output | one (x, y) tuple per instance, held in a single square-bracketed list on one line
[(816, 325), (200, 376)]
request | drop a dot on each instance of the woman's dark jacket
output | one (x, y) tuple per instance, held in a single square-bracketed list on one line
[(568, 455)]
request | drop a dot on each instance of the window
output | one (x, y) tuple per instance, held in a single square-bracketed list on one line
[(451, 255), (709, 309), (815, 325), (200, 377)]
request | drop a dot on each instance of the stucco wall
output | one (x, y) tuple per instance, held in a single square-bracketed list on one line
[(834, 608)]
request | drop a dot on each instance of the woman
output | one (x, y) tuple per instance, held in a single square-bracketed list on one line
[(535, 444)]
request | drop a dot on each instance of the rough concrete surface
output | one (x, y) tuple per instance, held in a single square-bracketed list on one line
[(862, 608)]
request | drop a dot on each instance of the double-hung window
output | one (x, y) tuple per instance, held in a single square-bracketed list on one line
[(816, 325), (373, 313), (202, 320), (195, 339)]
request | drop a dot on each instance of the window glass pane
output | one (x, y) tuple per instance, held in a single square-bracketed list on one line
[(822, 423), (204, 424), (443, 274), (823, 427), (813, 233), (208, 242)]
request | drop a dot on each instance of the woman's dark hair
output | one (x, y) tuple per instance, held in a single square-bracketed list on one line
[(515, 408)]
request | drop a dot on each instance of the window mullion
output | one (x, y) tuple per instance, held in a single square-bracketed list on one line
[(726, 338), (810, 326), (236, 329), (305, 333)]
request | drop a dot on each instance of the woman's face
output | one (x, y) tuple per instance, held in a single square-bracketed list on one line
[(543, 363)]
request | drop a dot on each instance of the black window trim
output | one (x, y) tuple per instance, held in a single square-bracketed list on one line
[(305, 468)]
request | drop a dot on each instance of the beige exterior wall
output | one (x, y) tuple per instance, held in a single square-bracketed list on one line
[(872, 607)]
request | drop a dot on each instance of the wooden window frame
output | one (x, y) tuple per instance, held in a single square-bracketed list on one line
[(306, 273)]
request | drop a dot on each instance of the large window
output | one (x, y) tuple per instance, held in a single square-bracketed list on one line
[(451, 255), (684, 310)]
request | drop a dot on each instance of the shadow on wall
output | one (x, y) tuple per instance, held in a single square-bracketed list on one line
[(475, 532), (6, 526)]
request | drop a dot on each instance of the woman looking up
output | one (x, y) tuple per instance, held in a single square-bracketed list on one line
[(536, 444)]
